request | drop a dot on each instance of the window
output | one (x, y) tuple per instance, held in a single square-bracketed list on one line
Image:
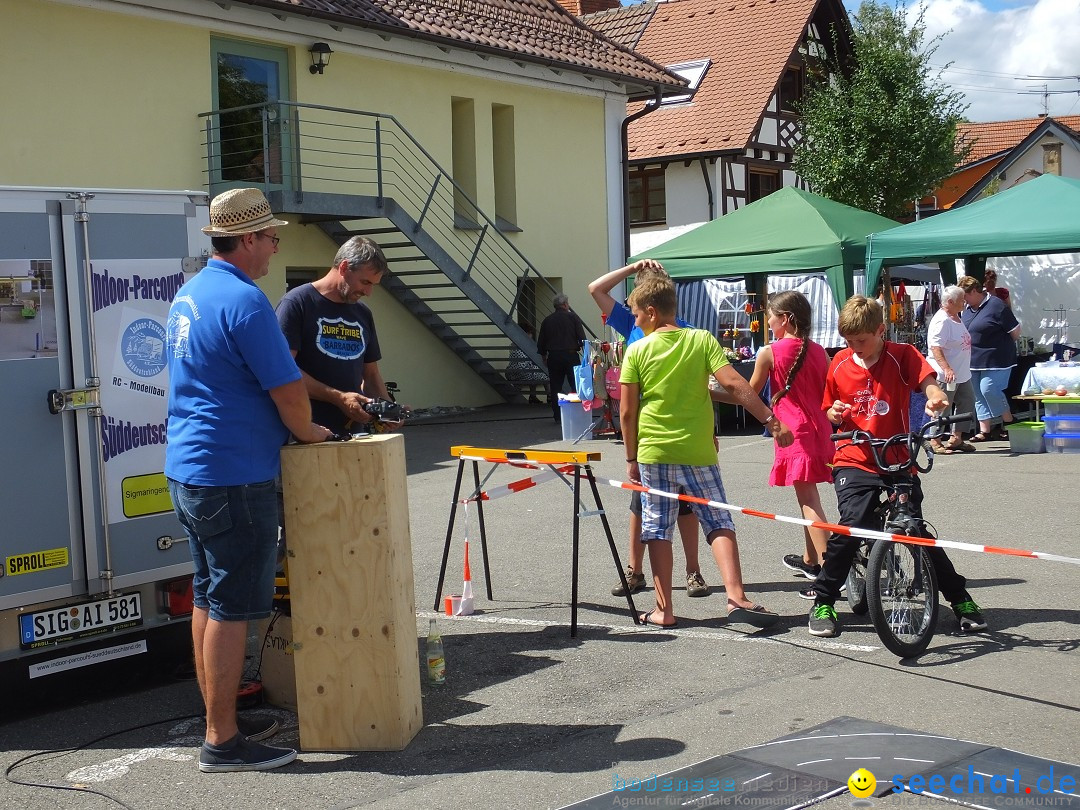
[(249, 144), (504, 165), (791, 89), (694, 72), (647, 197), (761, 183), (463, 146)]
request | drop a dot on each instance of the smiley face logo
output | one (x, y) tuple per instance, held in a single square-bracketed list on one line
[(862, 783)]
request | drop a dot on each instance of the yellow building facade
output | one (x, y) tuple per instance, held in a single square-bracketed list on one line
[(115, 95)]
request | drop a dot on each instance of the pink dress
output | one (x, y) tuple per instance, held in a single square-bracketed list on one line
[(808, 457)]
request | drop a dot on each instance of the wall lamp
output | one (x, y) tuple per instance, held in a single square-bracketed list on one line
[(320, 56)]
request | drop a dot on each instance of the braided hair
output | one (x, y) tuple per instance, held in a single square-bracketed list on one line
[(794, 304)]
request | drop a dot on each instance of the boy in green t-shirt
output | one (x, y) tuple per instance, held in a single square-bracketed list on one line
[(667, 426)]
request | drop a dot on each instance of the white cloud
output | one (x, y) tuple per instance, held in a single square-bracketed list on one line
[(994, 43)]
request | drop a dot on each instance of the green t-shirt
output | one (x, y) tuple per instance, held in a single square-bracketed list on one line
[(675, 421)]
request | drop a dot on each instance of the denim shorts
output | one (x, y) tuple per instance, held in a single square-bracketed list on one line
[(659, 514), (233, 534)]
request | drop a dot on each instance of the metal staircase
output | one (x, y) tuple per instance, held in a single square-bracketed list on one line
[(352, 172)]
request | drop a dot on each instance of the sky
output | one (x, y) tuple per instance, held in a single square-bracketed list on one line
[(996, 45)]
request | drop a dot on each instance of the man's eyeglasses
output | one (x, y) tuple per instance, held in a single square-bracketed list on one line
[(274, 239)]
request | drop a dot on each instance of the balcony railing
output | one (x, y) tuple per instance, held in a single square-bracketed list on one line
[(313, 148)]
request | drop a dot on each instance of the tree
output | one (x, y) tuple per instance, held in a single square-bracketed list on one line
[(880, 132)]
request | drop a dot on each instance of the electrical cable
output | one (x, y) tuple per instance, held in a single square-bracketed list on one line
[(61, 751)]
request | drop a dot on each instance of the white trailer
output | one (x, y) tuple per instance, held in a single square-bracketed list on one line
[(94, 566)]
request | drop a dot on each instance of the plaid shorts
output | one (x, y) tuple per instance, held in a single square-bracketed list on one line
[(659, 515)]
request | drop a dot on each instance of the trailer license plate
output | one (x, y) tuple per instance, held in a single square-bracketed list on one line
[(79, 621)]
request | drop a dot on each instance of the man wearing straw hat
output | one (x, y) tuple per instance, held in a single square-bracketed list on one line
[(235, 395)]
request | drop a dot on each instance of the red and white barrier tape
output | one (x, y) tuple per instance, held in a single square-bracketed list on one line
[(850, 531), (518, 486), (525, 465)]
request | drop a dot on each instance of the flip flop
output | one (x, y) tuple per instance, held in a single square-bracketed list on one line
[(964, 447), (980, 437), (755, 615), (940, 449), (646, 618)]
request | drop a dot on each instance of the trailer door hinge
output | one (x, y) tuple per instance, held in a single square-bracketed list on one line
[(75, 399)]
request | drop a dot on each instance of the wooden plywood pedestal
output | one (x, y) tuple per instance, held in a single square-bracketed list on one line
[(351, 586)]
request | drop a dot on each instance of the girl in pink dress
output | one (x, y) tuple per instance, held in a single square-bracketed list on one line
[(795, 368)]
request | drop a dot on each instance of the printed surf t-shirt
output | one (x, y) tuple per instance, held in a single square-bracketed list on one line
[(332, 342)]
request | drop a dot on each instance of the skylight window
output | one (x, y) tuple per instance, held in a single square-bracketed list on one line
[(693, 72)]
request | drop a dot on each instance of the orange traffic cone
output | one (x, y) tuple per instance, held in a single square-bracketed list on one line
[(466, 605)]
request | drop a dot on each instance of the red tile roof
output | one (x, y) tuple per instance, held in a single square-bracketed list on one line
[(749, 43), (530, 30), (623, 25), (992, 137)]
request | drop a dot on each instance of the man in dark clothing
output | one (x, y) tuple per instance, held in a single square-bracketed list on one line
[(561, 335), (331, 333)]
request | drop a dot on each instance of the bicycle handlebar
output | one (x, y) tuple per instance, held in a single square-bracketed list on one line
[(915, 441)]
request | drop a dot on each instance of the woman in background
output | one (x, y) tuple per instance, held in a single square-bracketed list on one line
[(994, 330)]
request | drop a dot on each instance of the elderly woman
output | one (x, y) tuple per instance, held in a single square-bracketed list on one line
[(949, 353), (994, 330)]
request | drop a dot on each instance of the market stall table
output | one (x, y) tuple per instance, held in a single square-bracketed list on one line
[(1049, 376)]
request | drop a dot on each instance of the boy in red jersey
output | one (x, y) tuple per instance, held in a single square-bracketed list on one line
[(868, 388)]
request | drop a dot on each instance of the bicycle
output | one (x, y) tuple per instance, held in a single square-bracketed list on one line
[(892, 581)]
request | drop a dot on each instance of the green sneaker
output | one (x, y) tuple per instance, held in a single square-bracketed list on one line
[(823, 621), (967, 613)]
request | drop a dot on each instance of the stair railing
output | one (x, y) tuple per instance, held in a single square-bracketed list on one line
[(310, 147)]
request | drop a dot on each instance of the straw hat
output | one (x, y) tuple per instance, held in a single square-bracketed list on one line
[(240, 210)]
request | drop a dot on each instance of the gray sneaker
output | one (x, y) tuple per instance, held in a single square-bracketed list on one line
[(636, 581), (696, 585), (257, 727), (823, 621), (241, 754)]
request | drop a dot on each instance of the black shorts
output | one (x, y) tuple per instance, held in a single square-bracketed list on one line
[(635, 504)]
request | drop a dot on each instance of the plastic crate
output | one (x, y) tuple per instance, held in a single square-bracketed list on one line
[(1062, 442), (1063, 423), (1061, 406), (1027, 437)]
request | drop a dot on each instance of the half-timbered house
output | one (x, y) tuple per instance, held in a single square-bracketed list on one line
[(731, 138)]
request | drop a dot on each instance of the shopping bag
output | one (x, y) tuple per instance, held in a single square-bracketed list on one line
[(583, 381), (612, 384)]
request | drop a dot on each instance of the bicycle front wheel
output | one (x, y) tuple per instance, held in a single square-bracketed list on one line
[(902, 596)]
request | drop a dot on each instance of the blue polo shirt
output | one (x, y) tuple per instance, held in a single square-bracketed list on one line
[(226, 351), (621, 319)]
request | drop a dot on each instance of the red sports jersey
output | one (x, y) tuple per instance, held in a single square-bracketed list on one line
[(880, 398)]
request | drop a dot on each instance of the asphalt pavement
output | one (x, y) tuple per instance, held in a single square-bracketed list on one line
[(532, 717)]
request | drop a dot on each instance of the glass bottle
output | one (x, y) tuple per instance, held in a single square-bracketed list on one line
[(436, 662)]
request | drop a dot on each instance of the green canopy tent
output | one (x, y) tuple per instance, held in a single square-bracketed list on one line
[(1039, 216), (789, 231)]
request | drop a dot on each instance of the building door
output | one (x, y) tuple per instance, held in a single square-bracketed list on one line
[(250, 138)]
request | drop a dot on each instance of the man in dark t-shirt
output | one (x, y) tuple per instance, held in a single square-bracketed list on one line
[(331, 333)]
